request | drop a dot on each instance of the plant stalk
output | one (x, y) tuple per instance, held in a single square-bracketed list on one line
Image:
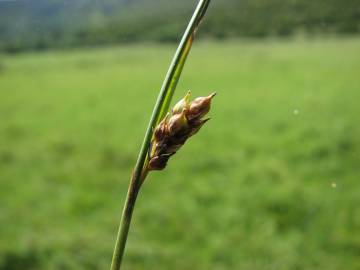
[(125, 223), (160, 109)]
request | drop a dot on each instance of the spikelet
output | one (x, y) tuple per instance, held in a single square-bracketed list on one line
[(173, 131)]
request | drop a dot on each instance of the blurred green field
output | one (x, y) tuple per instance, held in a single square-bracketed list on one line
[(271, 182)]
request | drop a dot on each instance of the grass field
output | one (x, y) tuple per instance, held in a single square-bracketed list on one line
[(271, 182)]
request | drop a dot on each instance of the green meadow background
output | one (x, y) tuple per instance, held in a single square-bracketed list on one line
[(271, 182)]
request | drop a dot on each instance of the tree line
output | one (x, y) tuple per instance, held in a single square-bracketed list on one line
[(62, 24)]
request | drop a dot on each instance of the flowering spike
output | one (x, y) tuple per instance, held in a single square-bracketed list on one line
[(173, 131)]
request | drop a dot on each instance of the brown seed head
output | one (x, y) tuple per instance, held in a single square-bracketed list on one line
[(199, 107), (173, 131)]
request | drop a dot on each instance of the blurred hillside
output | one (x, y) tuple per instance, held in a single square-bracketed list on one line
[(30, 24), (39, 24)]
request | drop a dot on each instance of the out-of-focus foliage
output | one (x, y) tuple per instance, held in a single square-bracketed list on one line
[(41, 24), (271, 182)]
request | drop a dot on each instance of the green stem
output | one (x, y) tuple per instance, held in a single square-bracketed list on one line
[(160, 109), (125, 224)]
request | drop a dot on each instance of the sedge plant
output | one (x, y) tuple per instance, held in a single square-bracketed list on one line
[(167, 131)]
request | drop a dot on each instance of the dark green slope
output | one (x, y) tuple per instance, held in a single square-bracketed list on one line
[(41, 24)]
